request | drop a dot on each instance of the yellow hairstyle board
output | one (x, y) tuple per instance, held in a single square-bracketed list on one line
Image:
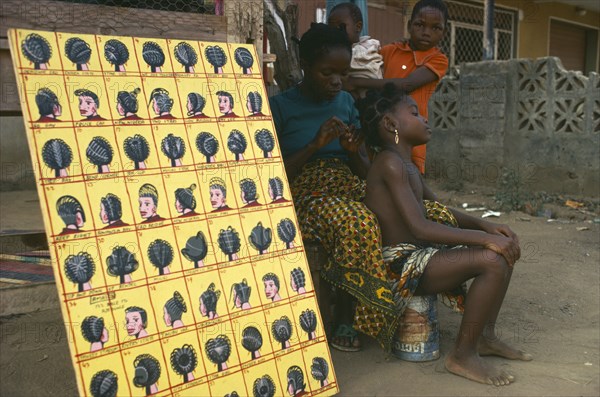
[(174, 241)]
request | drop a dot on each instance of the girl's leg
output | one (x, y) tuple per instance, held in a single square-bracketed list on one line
[(446, 270)]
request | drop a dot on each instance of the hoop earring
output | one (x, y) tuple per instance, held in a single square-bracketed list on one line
[(396, 138)]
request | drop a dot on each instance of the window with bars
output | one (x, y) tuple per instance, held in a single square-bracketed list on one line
[(463, 41), (195, 6)]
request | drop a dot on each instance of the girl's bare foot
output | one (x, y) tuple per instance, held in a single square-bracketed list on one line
[(498, 348), (474, 368)]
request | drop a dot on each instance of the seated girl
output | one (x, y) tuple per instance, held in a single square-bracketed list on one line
[(431, 249)]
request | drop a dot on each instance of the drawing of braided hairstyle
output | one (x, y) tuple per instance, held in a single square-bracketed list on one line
[(57, 155), (216, 57), (112, 207), (207, 144), (186, 198), (176, 307), (298, 277), (286, 230), (91, 328), (37, 49), (248, 187), (186, 56), (264, 387), (78, 52), (147, 371), (67, 208), (242, 291), (121, 262), (160, 254), (153, 55), (210, 297), (195, 249), (276, 185), (100, 153), (79, 269), (308, 322), (237, 144), (252, 341), (46, 100), (232, 394), (104, 384), (128, 100), (260, 238), (137, 149), (116, 53), (243, 57), (295, 378), (184, 361), (255, 100), (198, 103), (320, 370), (265, 141), (229, 242), (218, 350), (282, 331), (174, 148), (163, 101)]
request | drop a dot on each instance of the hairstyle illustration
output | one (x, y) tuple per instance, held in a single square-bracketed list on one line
[(195, 249), (308, 322), (243, 57), (232, 394), (260, 238), (79, 52), (147, 373), (174, 148), (282, 331), (295, 378), (94, 331), (163, 103), (286, 230), (174, 309), (185, 202), (184, 361), (57, 155), (252, 341), (254, 103), (264, 387), (272, 286), (160, 254), (248, 188), (320, 370), (216, 57), (117, 54), (79, 269), (197, 103), (229, 242), (241, 291), (137, 150), (237, 144), (111, 211), (121, 263), (48, 105), (128, 103), (37, 50), (186, 56), (153, 55), (265, 141), (70, 211), (100, 153), (298, 280), (209, 300), (276, 188), (136, 320), (207, 144), (218, 350), (104, 383)]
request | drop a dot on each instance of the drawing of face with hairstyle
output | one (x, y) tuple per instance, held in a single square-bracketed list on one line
[(148, 199), (88, 104), (226, 104), (218, 195), (271, 282), (136, 321)]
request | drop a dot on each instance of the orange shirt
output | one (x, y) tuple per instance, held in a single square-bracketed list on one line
[(399, 60)]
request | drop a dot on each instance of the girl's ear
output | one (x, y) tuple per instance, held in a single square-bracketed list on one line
[(388, 123), (358, 26)]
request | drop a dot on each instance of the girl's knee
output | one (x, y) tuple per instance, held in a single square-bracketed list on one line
[(495, 262)]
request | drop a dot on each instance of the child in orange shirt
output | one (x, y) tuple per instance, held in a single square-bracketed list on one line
[(415, 65)]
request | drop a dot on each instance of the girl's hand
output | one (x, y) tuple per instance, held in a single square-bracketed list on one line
[(502, 230), (351, 140), (328, 131), (505, 246)]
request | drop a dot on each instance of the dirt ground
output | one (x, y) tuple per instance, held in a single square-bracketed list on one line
[(551, 310)]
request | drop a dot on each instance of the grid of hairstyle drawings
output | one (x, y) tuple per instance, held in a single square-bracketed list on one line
[(174, 240)]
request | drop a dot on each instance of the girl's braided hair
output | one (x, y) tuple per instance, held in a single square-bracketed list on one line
[(374, 106)]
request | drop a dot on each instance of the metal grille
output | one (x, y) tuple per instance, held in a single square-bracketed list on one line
[(195, 6), (464, 40)]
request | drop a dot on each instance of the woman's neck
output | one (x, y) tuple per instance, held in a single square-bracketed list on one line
[(308, 92)]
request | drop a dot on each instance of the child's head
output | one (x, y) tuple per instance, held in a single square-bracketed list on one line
[(385, 114), (427, 24), (348, 17), (325, 54)]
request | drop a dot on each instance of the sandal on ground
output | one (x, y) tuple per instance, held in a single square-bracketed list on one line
[(345, 331)]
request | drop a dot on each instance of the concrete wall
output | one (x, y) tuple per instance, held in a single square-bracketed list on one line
[(528, 115), (16, 172)]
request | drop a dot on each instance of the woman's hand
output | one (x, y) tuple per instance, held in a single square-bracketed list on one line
[(329, 130), (502, 230), (351, 139), (505, 246)]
